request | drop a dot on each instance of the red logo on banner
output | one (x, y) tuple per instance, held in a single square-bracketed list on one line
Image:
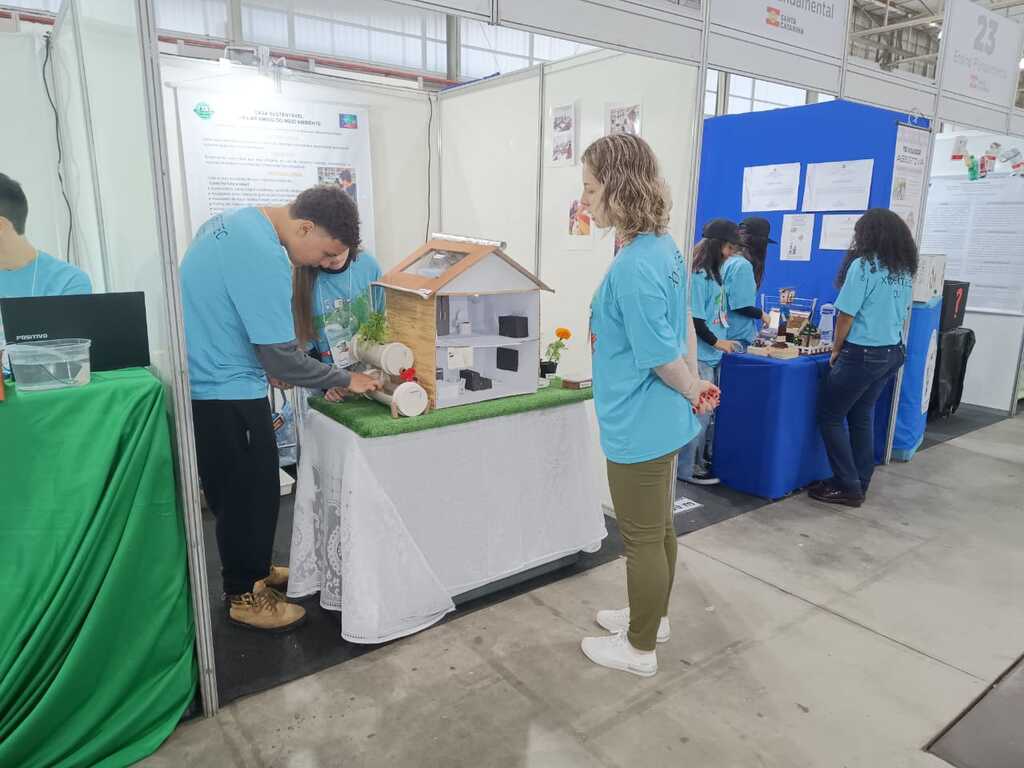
[(774, 18)]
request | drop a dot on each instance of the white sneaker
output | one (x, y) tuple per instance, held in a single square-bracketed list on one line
[(618, 621), (616, 652)]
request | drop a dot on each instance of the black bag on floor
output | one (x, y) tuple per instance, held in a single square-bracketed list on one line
[(955, 348)]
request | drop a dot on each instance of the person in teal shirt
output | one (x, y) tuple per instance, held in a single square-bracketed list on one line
[(331, 304), (26, 271), (719, 240), (646, 389), (876, 285), (236, 292), (740, 288)]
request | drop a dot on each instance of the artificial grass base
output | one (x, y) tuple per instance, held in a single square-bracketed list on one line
[(368, 418)]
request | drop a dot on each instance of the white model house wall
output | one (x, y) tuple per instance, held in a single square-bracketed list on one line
[(28, 149), (399, 149), (666, 92), (490, 142)]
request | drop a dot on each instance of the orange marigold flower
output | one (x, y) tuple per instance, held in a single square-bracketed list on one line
[(563, 333)]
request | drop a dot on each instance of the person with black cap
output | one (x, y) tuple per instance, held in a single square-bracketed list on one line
[(755, 233), (720, 239), (741, 277)]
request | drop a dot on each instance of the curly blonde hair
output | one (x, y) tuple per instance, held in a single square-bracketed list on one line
[(635, 196)]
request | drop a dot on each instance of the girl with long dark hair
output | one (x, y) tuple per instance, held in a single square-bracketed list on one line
[(719, 240), (875, 285)]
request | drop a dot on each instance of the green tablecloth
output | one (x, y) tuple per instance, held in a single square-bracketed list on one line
[(96, 632), (368, 418)]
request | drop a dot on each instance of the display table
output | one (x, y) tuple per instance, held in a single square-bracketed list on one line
[(390, 529), (96, 636), (767, 441)]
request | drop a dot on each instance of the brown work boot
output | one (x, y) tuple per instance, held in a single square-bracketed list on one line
[(265, 609), (277, 578)]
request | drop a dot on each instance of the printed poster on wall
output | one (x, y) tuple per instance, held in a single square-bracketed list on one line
[(580, 228), (241, 151), (770, 187), (979, 226), (982, 61), (563, 135), (839, 186), (908, 171), (622, 118), (837, 231), (811, 25), (797, 233)]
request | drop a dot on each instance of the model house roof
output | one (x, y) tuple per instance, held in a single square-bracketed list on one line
[(442, 263)]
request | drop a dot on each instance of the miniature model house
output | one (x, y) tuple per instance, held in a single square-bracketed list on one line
[(471, 316)]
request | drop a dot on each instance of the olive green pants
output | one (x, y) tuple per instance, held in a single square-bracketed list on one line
[(643, 495)]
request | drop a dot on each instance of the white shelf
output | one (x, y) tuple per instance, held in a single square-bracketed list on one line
[(454, 340), (494, 393)]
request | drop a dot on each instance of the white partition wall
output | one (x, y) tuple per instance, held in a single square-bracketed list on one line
[(572, 266), (399, 117), (28, 147), (490, 142)]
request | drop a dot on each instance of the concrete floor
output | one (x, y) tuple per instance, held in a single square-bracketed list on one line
[(803, 635)]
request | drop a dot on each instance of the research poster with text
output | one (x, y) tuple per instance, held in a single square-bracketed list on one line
[(241, 151)]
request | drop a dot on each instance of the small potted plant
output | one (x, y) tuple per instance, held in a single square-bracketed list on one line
[(549, 365)]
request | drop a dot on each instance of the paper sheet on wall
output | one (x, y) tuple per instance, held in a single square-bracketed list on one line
[(240, 151), (771, 187), (979, 225), (908, 170), (797, 233), (841, 186), (837, 231)]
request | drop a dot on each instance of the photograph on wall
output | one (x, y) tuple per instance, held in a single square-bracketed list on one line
[(580, 228), (342, 175), (563, 135), (622, 118)]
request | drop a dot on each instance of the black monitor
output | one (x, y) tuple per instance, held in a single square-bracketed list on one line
[(114, 322)]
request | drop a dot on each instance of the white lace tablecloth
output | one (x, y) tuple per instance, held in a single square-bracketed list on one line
[(389, 529)]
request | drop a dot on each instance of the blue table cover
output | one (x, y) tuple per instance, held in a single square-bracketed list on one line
[(767, 441), (915, 395)]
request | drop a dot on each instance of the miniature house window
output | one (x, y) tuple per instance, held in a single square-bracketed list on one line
[(435, 263)]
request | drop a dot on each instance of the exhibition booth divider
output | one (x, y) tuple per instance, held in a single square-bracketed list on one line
[(491, 160), (811, 172)]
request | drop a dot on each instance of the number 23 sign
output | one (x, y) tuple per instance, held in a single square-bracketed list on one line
[(983, 55)]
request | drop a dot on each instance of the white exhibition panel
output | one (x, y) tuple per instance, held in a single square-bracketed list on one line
[(730, 52), (27, 140), (963, 112), (801, 43), (982, 54), (388, 530), (868, 84), (398, 118), (112, 62), (87, 246), (666, 92), (490, 141), (1017, 123), (992, 369), (479, 8), (654, 27)]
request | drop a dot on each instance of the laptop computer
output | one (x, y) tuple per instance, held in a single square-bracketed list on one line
[(114, 322)]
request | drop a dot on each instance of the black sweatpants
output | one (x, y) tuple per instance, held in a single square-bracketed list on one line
[(238, 466)]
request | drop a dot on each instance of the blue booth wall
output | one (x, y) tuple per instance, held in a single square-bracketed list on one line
[(817, 133)]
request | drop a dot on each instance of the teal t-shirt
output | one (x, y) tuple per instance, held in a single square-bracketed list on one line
[(342, 302), (878, 302), (707, 302), (740, 291), (638, 323), (43, 276), (236, 291)]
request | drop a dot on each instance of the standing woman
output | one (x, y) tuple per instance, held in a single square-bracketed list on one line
[(719, 240), (742, 276), (875, 282), (646, 389)]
